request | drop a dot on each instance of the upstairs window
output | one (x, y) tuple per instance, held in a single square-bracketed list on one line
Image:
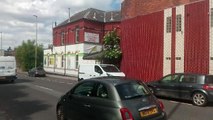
[(62, 38), (168, 24), (178, 23), (211, 17), (77, 35)]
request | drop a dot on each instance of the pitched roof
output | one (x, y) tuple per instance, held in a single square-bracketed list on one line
[(94, 15)]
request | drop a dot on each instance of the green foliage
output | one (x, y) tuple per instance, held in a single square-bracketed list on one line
[(25, 55), (112, 51)]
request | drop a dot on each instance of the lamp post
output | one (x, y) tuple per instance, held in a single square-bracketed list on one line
[(1, 44), (36, 42)]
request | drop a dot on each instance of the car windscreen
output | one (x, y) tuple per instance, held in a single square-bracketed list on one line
[(131, 90), (209, 79), (110, 68)]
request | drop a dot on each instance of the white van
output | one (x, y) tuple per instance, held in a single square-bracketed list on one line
[(8, 68), (87, 71)]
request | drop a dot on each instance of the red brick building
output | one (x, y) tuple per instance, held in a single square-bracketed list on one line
[(160, 37), (77, 36)]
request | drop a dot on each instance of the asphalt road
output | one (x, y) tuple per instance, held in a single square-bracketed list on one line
[(32, 98)]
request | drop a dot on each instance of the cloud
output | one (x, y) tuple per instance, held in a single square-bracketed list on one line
[(18, 23)]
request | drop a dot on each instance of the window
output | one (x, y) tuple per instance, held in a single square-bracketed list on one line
[(178, 23), (76, 61), (188, 79), (211, 17), (102, 91), (85, 89), (98, 69), (62, 61), (77, 35), (170, 79), (169, 24), (110, 68), (62, 38), (131, 90)]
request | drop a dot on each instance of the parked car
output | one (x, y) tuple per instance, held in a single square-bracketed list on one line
[(195, 87), (87, 71), (110, 98), (39, 71)]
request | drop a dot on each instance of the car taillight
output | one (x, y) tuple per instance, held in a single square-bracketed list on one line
[(161, 105), (207, 87), (126, 115)]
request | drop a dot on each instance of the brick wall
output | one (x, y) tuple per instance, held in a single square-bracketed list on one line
[(133, 8)]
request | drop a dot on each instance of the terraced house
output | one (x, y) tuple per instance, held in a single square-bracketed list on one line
[(76, 37)]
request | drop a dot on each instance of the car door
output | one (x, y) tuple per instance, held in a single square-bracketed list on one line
[(187, 82), (168, 86), (103, 107), (77, 106)]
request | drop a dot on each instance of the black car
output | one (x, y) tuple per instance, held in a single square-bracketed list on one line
[(110, 98), (35, 72), (195, 87)]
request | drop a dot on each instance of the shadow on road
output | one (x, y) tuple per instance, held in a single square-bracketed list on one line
[(15, 105)]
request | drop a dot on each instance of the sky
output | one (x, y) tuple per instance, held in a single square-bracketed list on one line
[(18, 23)]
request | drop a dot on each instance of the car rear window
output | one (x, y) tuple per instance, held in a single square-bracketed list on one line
[(132, 90), (209, 80)]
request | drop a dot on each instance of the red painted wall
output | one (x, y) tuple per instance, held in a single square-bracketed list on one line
[(142, 46), (197, 37)]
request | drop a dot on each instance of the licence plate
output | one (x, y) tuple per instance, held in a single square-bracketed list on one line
[(148, 112)]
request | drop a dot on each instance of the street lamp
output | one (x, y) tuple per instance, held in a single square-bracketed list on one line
[(1, 44), (36, 42)]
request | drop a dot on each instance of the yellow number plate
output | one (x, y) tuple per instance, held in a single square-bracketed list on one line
[(151, 111)]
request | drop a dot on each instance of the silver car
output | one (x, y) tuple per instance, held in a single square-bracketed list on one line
[(110, 98)]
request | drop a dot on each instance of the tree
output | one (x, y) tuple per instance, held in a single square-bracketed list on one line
[(25, 55), (112, 50)]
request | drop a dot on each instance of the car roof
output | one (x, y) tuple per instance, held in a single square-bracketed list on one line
[(112, 80)]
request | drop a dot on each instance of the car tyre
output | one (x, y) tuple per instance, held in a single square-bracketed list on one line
[(199, 99), (60, 113)]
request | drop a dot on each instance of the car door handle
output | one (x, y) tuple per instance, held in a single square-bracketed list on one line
[(86, 105)]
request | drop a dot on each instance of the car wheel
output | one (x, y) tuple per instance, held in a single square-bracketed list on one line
[(60, 113), (199, 99)]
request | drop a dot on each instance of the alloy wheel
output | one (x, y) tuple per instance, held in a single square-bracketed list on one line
[(199, 99)]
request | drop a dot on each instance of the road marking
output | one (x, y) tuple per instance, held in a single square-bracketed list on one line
[(61, 82), (70, 83), (180, 102), (44, 87)]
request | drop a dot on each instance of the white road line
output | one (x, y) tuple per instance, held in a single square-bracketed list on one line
[(44, 87), (61, 82), (180, 103)]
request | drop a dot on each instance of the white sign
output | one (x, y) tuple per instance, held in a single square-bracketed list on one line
[(91, 37)]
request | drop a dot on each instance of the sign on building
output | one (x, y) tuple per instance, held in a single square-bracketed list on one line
[(91, 37)]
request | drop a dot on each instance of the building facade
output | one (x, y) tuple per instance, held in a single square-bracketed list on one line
[(76, 37), (160, 37)]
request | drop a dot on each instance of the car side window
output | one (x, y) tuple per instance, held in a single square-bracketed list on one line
[(85, 89), (98, 69), (188, 79), (102, 91), (170, 79)]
